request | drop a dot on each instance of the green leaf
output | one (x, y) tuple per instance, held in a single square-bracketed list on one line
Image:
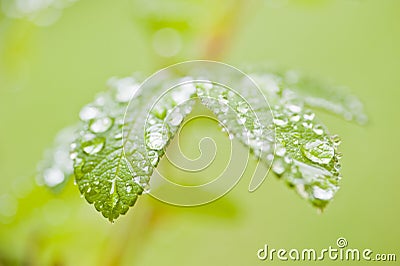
[(307, 155), (101, 170), (117, 147), (112, 165)]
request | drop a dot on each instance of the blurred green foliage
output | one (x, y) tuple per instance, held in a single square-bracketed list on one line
[(48, 73)]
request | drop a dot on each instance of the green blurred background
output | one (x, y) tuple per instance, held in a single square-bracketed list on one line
[(48, 73)]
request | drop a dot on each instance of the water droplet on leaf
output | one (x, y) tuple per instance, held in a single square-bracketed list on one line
[(88, 112), (280, 151), (156, 141), (309, 116), (318, 151), (101, 125), (278, 167), (153, 157), (280, 122), (295, 118), (322, 194), (93, 146), (307, 125), (336, 140), (318, 130)]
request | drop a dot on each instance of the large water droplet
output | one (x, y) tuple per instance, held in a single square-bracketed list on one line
[(157, 136), (322, 194), (101, 125), (93, 146), (156, 140), (88, 112), (318, 151), (278, 167)]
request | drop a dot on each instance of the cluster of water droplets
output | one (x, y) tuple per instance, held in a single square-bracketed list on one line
[(306, 156), (167, 114), (106, 111), (238, 117), (103, 174), (163, 120), (97, 121)]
